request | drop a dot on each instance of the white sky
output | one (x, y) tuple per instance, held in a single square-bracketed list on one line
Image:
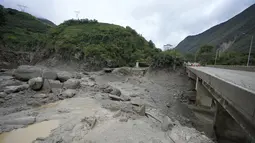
[(162, 21)]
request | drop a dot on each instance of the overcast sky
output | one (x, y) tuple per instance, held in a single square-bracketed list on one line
[(163, 21)]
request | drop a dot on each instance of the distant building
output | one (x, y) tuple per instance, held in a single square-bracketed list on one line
[(167, 47)]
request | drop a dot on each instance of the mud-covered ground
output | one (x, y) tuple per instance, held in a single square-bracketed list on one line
[(118, 106)]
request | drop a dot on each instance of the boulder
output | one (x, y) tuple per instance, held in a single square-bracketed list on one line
[(2, 100), (9, 82), (64, 76), (13, 89), (137, 101), (115, 91), (36, 83), (166, 124), (50, 84), (114, 97), (26, 72), (139, 110), (49, 74), (3, 94), (69, 93), (71, 84)]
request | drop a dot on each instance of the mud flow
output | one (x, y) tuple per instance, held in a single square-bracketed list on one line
[(30, 133)]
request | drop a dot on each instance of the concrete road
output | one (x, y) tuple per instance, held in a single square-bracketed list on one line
[(243, 79)]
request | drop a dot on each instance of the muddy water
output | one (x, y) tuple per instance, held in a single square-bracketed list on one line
[(29, 134)]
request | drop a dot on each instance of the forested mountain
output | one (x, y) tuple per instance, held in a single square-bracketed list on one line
[(20, 30), (112, 44), (87, 41), (232, 35)]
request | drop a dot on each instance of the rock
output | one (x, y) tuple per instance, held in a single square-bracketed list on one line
[(166, 124), (33, 103), (69, 93), (9, 82), (64, 110), (91, 121), (125, 98), (111, 105), (64, 76), (71, 84), (40, 139), (2, 100), (107, 70), (8, 97), (40, 96), (26, 72), (49, 74), (56, 91), (3, 94), (137, 101), (49, 84), (117, 114), (21, 121), (3, 70), (36, 83), (127, 108), (115, 91), (114, 97), (13, 89), (123, 119), (140, 110), (77, 75)]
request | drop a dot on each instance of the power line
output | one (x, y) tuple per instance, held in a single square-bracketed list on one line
[(77, 14), (22, 7)]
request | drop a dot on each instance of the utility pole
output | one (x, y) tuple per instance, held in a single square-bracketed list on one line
[(77, 14), (250, 51), (22, 7)]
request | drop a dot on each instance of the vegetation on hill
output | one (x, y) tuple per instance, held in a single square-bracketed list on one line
[(89, 42), (237, 30), (206, 56), (21, 31), (101, 44)]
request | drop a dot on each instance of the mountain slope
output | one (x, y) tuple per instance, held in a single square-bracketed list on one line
[(234, 34), (21, 31), (101, 43)]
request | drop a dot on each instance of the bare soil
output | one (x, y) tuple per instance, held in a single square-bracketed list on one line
[(95, 116)]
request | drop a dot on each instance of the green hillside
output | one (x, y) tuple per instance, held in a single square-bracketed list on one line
[(21, 31), (100, 43), (238, 30), (84, 41)]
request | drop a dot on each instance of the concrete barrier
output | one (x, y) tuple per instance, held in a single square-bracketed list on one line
[(234, 67)]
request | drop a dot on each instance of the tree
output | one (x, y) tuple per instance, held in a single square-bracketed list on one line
[(205, 55), (151, 44), (2, 16), (2, 23)]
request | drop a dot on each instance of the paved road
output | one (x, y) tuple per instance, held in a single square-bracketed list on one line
[(241, 78)]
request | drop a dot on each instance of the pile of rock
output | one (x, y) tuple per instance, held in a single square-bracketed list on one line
[(42, 79), (127, 107)]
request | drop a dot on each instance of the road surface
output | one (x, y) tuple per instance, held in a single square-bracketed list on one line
[(243, 79)]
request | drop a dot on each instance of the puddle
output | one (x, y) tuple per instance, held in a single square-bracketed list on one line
[(29, 134)]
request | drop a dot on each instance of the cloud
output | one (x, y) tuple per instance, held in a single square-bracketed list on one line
[(163, 21)]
